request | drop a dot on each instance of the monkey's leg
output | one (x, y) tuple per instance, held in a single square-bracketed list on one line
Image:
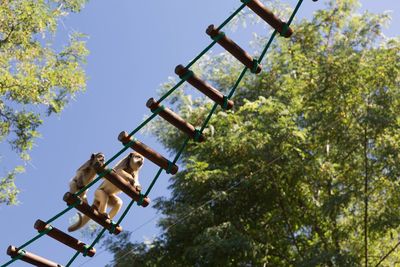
[(83, 195), (73, 188), (116, 204), (100, 201), (84, 198)]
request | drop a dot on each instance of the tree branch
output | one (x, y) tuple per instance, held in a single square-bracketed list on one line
[(387, 254), (288, 224), (366, 191), (5, 40)]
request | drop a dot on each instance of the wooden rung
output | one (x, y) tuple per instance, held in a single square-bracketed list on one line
[(148, 153), (234, 49), (203, 87), (122, 184), (31, 258), (174, 119), (269, 17), (91, 213), (63, 237)]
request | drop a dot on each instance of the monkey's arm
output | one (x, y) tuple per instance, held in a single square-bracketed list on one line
[(133, 180), (126, 176)]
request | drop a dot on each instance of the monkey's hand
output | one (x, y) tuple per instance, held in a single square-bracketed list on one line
[(136, 185)]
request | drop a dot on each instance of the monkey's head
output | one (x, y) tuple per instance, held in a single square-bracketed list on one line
[(135, 160), (97, 158)]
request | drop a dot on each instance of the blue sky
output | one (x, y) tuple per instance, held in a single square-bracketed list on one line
[(134, 47)]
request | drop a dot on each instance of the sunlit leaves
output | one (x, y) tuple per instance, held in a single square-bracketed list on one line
[(36, 79), (282, 179)]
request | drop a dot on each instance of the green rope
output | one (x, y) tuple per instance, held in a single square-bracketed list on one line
[(87, 186), (275, 32), (64, 211), (201, 54), (255, 66), (86, 249), (246, 1), (155, 112), (125, 148), (294, 12), (285, 28), (161, 169), (197, 135), (9, 262), (153, 182), (267, 46), (140, 201), (231, 16), (132, 142), (98, 237), (72, 259), (39, 235), (167, 94), (125, 211), (101, 175), (225, 102), (113, 227), (233, 89), (46, 231), (169, 168), (218, 37), (208, 117), (170, 164), (187, 75), (21, 254), (181, 150)]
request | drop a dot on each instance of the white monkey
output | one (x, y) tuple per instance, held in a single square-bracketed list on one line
[(106, 194), (85, 174)]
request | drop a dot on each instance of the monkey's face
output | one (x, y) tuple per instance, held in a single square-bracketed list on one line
[(98, 157), (136, 160)]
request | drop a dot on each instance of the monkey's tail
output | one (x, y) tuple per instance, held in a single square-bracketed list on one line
[(79, 224)]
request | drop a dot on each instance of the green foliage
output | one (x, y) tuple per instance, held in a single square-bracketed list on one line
[(35, 79), (8, 190), (284, 178)]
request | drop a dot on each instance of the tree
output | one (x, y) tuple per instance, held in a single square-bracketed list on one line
[(35, 79), (303, 171)]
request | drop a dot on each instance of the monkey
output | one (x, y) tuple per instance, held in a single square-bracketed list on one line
[(106, 194), (85, 174)]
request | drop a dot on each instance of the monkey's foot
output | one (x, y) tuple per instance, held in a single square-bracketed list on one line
[(105, 215)]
